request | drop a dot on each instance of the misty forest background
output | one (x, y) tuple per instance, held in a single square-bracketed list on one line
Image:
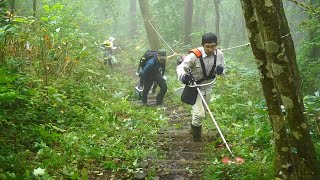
[(64, 114)]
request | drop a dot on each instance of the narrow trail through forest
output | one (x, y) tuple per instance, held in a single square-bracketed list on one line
[(182, 158)]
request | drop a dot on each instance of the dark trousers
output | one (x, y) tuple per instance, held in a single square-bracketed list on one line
[(147, 86)]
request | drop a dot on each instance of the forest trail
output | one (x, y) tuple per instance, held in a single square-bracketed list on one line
[(182, 159)]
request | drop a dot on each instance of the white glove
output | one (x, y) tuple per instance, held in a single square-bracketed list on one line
[(165, 77)]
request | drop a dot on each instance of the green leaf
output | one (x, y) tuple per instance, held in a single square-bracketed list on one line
[(20, 19), (45, 19)]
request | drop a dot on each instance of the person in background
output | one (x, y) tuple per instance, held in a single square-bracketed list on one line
[(153, 71), (213, 58), (109, 47)]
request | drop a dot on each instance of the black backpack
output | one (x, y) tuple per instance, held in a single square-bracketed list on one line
[(146, 56)]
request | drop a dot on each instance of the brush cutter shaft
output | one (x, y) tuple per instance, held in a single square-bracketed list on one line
[(213, 81), (206, 84), (214, 121)]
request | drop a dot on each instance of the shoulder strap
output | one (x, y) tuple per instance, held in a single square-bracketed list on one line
[(198, 54), (214, 65), (196, 51), (203, 67), (204, 72)]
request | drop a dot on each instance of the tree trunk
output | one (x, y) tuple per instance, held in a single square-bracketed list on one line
[(3, 23), (188, 13), (197, 19), (315, 49), (283, 161), (133, 18), (288, 43), (217, 23), (147, 16), (34, 8), (202, 20), (285, 81), (12, 6)]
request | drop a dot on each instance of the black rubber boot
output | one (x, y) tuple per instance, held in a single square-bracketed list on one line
[(196, 133)]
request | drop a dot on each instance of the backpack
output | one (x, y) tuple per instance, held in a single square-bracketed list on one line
[(146, 56), (198, 53)]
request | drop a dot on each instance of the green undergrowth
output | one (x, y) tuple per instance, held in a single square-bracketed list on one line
[(239, 109), (75, 126), (89, 123)]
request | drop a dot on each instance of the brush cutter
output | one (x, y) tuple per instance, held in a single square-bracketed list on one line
[(225, 160)]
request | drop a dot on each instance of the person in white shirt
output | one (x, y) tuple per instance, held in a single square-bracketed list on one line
[(204, 64)]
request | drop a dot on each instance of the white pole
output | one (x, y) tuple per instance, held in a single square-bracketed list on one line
[(214, 121)]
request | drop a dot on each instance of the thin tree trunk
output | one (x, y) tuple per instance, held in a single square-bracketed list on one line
[(203, 14), (217, 23), (34, 8), (3, 40), (147, 16), (197, 18), (288, 43), (315, 49), (133, 18), (12, 6), (188, 13)]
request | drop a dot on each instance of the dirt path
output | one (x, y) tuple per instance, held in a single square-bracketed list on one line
[(182, 158)]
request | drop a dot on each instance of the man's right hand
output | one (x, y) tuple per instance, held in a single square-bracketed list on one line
[(186, 79)]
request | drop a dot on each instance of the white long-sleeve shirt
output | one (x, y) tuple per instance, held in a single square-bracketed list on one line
[(193, 63)]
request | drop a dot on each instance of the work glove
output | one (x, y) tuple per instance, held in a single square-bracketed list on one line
[(186, 79), (219, 69)]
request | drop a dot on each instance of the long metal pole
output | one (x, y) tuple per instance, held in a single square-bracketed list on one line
[(214, 121)]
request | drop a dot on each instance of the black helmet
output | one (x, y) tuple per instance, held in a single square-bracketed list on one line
[(209, 37)]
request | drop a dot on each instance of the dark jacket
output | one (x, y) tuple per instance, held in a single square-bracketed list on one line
[(152, 68)]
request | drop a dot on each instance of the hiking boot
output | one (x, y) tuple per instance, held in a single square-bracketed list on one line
[(196, 133)]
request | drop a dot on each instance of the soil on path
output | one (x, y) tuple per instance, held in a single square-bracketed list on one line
[(183, 159)]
